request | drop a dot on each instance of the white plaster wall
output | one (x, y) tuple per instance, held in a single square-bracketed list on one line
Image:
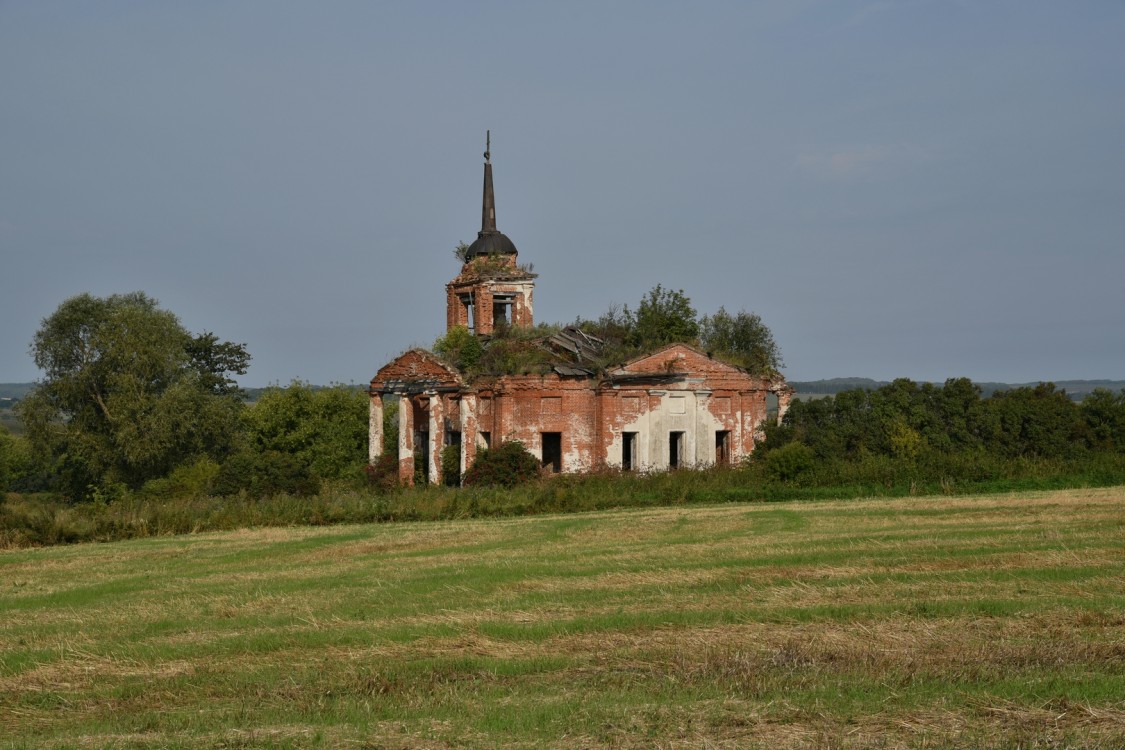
[(580, 432), (654, 425)]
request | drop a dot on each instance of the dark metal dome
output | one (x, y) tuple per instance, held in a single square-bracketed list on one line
[(491, 243)]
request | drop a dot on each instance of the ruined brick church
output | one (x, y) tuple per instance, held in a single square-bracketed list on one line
[(673, 407)]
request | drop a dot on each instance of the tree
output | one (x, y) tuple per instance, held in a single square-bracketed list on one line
[(1104, 412), (741, 339), (662, 317), (13, 459), (127, 394), (213, 359), (323, 429)]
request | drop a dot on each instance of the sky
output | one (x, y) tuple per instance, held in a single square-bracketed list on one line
[(898, 188)]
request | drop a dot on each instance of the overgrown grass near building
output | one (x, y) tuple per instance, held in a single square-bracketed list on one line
[(991, 621), (35, 520)]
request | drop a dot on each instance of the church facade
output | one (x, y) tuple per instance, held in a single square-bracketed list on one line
[(673, 407)]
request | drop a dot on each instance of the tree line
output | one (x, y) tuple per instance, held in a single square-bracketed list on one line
[(948, 428), (130, 401)]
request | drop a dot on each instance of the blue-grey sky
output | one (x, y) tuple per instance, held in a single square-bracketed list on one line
[(923, 189)]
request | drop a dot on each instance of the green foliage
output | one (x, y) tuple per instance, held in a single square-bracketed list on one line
[(742, 340), (507, 465), (15, 460), (460, 348), (265, 474), (213, 359), (515, 350), (461, 252), (918, 422), (323, 429), (662, 317), (383, 474), (665, 316), (191, 480), (391, 405), (127, 393), (789, 461), (451, 466), (1104, 414)]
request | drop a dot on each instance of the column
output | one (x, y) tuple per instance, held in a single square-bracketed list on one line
[(375, 428), (406, 440), (437, 437)]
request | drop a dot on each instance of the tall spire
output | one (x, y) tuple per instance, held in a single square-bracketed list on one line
[(489, 240), (488, 211)]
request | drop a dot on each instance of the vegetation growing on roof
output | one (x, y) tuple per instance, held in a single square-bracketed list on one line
[(511, 350), (666, 316), (493, 265)]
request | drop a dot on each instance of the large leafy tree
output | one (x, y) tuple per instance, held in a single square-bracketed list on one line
[(323, 429), (741, 339), (663, 317), (127, 393)]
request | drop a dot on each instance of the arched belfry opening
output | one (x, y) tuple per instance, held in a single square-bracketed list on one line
[(492, 291)]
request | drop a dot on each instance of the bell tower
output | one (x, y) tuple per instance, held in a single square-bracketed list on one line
[(492, 291)]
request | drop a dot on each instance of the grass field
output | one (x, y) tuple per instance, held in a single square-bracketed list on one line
[(995, 621)]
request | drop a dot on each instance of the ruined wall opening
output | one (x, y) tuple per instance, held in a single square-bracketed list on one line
[(628, 451), (470, 311), (722, 447), (502, 310), (552, 451), (771, 407), (675, 449), (484, 440)]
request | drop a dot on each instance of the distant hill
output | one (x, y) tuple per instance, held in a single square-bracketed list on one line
[(15, 390), (1076, 389)]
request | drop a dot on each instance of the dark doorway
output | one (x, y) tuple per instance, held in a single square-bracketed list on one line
[(552, 451), (675, 449), (722, 447), (422, 457), (628, 451)]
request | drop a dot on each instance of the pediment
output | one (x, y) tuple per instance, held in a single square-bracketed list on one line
[(675, 359), (415, 371)]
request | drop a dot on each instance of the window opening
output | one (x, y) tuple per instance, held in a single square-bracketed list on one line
[(470, 311), (771, 407), (501, 310)]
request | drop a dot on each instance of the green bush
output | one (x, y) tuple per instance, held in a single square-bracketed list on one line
[(507, 465), (789, 461), (265, 474), (383, 474), (451, 466), (190, 480)]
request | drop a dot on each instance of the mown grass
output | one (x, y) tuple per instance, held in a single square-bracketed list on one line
[(988, 621)]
